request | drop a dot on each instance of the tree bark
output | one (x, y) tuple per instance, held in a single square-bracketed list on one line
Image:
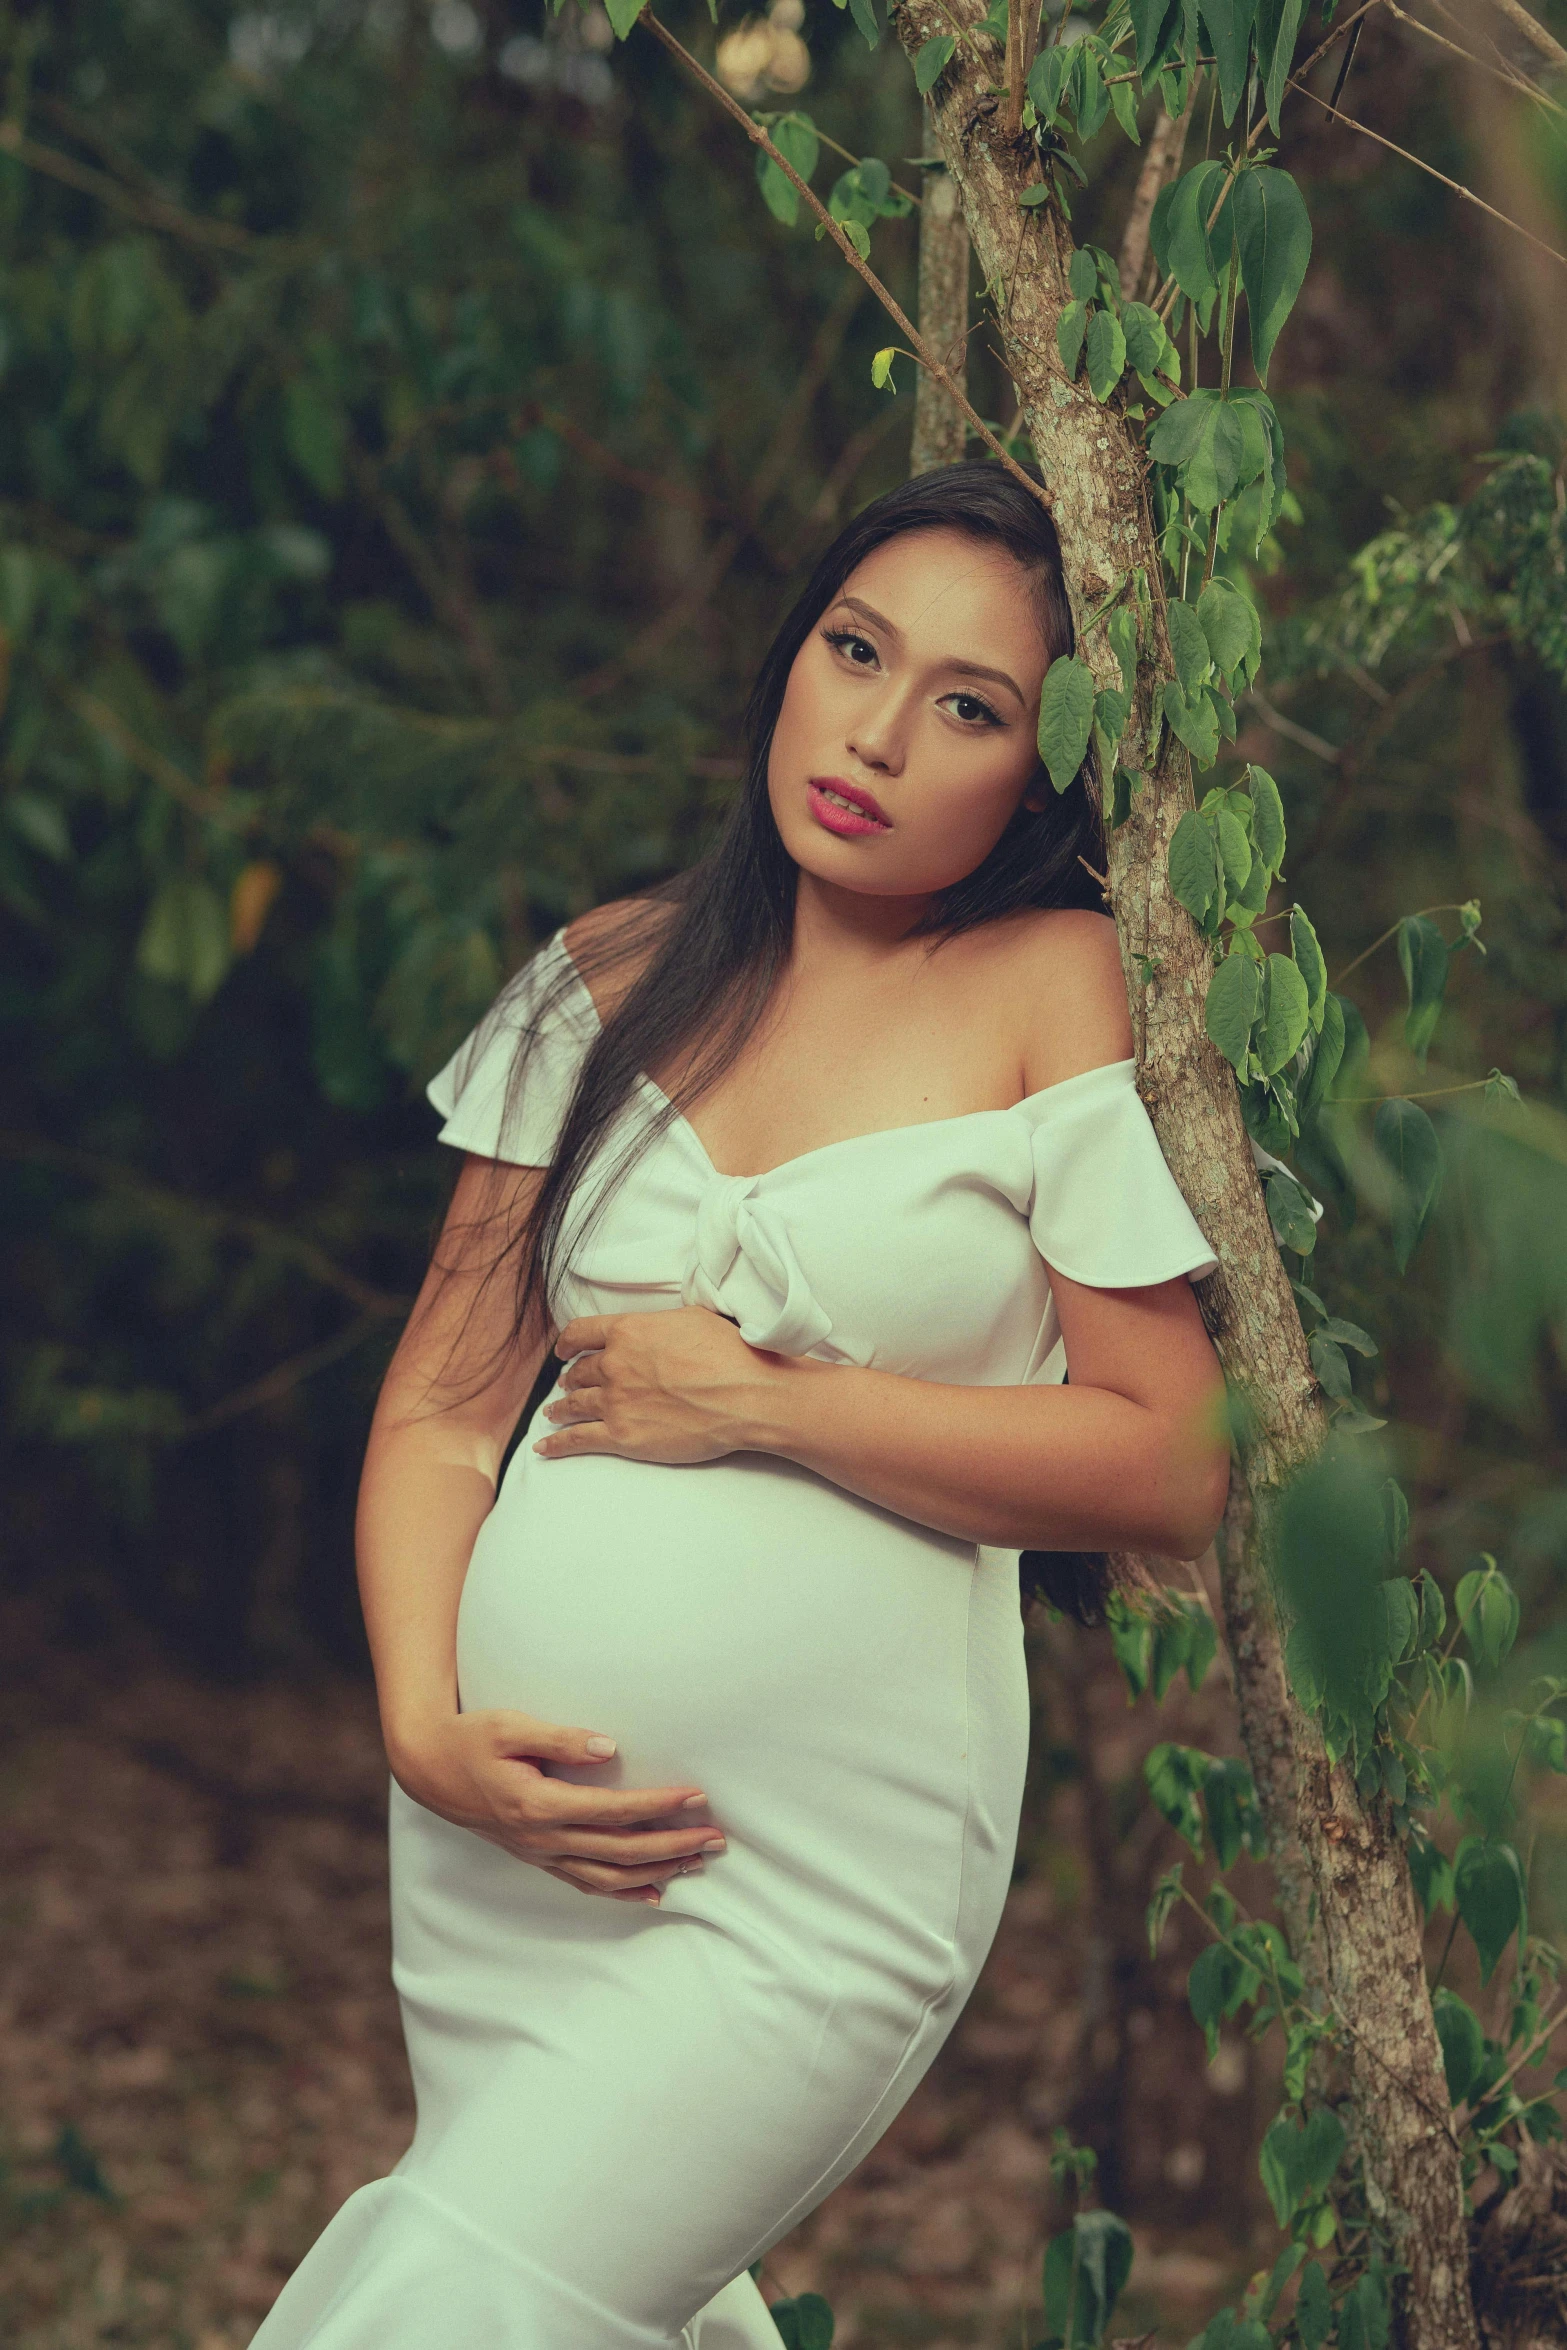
[(940, 429), (1344, 1886)]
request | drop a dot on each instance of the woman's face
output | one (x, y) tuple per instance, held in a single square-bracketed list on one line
[(906, 739)]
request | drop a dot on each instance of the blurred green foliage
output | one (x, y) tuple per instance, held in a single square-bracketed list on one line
[(388, 397), (418, 418)]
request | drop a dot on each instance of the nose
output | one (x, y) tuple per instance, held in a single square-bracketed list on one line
[(877, 738)]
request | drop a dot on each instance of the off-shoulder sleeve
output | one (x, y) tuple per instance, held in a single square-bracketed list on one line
[(1105, 1208), (545, 1018)]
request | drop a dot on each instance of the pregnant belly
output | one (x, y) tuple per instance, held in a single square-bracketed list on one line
[(747, 1628), (734, 1601)]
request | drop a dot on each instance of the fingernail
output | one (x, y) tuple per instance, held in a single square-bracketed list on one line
[(601, 1745), (688, 1868), (652, 1895), (693, 1802), (715, 1844)]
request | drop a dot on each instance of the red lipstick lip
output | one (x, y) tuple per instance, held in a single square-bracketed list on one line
[(873, 815)]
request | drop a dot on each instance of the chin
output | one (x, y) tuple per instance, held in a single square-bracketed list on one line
[(869, 878), (864, 866)]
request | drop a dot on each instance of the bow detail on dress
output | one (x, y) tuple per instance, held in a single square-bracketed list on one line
[(743, 1264)]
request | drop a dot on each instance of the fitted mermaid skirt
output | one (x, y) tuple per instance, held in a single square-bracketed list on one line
[(621, 2107)]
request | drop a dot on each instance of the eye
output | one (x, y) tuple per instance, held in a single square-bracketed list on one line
[(854, 648), (973, 710)]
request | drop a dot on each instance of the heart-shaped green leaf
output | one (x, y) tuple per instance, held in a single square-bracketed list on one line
[(1234, 995), (1106, 353), (932, 61), (1273, 234), (1066, 715), (1488, 1885), (1407, 1140)]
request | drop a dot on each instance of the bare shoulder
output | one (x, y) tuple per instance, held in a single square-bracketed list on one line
[(1065, 964), (612, 944)]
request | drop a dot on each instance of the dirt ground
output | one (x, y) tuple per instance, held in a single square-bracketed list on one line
[(200, 2055)]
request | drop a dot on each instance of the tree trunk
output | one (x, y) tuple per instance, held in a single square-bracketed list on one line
[(1161, 162), (940, 429), (1344, 1886)]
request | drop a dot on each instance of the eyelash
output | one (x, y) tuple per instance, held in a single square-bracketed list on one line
[(838, 637)]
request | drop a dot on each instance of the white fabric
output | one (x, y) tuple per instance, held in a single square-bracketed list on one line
[(622, 2107)]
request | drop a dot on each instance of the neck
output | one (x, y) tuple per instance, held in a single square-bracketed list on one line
[(832, 923)]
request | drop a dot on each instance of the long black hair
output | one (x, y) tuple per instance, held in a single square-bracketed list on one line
[(704, 952)]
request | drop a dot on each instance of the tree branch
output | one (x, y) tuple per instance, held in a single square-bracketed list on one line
[(274, 1384), (1532, 30), (269, 1239), (1457, 186), (715, 563), (157, 766), (921, 350), (451, 604), (1505, 74), (155, 211)]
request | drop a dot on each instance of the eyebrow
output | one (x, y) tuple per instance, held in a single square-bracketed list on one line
[(963, 668)]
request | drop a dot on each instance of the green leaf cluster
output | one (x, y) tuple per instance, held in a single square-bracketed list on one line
[(860, 197), (1212, 445), (1155, 1639), (804, 2322), (795, 137), (1243, 37), (1104, 335), (1085, 2272), (1255, 218), (1077, 80), (1189, 1787)]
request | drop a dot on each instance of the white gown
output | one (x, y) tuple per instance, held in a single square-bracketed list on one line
[(620, 2107)]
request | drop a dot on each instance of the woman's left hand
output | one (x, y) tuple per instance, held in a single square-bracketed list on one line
[(675, 1385)]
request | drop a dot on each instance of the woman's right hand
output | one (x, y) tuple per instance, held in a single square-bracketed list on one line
[(482, 1771)]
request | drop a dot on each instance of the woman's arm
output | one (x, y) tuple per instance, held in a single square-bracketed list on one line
[(1130, 1455), (452, 1396)]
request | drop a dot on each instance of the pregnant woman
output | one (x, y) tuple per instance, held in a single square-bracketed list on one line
[(708, 1718)]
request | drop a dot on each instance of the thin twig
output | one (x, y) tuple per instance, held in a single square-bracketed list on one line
[(1432, 1093), (824, 506), (1530, 2052), (1165, 298), (649, 485), (1501, 73), (1392, 931), (274, 1384), (701, 587), (921, 350), (1315, 743), (1166, 146), (849, 156), (449, 601), (1345, 25), (158, 767), (1353, 757), (1532, 30), (1464, 24), (156, 211), (1457, 186), (269, 1239)]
